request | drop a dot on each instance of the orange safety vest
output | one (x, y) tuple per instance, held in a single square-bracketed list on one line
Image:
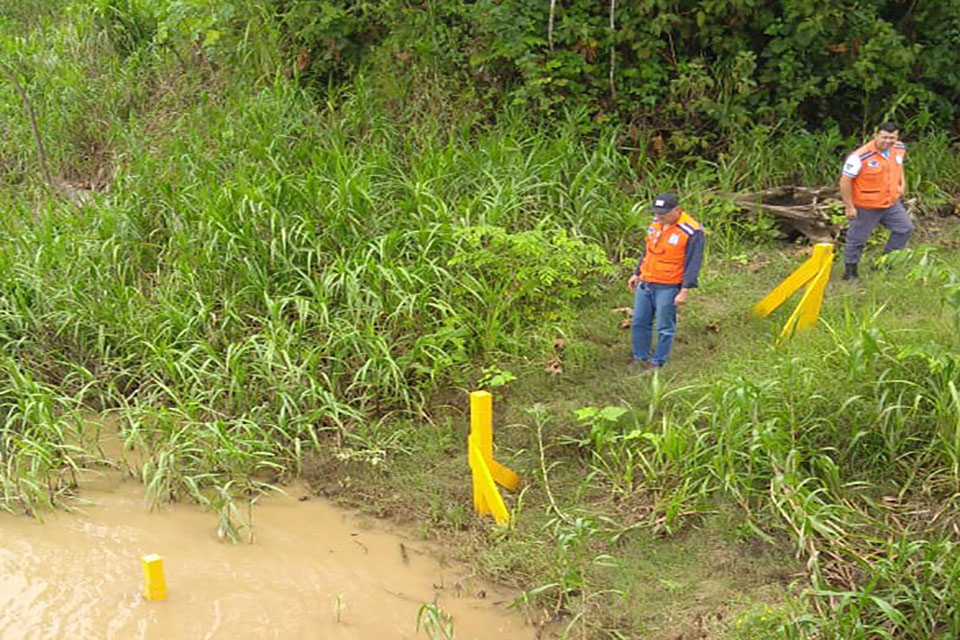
[(880, 181), (666, 250)]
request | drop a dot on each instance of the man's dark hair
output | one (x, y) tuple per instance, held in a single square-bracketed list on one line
[(889, 127)]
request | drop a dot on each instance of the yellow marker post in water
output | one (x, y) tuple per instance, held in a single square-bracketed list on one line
[(814, 274), (487, 472), (155, 583)]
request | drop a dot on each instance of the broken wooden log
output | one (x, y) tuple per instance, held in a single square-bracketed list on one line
[(813, 212), (800, 210)]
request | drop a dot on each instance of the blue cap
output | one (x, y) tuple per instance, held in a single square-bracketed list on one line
[(664, 203)]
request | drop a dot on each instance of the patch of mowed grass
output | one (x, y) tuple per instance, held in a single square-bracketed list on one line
[(701, 582)]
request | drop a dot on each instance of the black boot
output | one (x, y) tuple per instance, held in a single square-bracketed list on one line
[(850, 271)]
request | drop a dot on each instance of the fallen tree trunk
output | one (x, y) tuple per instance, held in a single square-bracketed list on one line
[(813, 211), (803, 210)]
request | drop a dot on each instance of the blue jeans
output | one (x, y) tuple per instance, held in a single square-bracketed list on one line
[(896, 218), (654, 300)]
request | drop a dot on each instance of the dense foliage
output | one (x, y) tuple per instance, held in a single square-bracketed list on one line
[(688, 70), (682, 73)]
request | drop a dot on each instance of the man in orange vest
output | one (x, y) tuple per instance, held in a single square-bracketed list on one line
[(871, 186), (667, 270)]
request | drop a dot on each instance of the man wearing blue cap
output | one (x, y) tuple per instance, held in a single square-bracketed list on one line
[(667, 270)]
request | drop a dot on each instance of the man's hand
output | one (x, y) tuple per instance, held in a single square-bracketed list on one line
[(846, 194), (633, 282), (681, 298)]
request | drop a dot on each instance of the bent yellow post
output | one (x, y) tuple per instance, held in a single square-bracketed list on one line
[(814, 274), (486, 471), (481, 424), (807, 312), (486, 499), (155, 583)]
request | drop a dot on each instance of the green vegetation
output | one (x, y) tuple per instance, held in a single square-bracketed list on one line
[(280, 239), (690, 72), (704, 492)]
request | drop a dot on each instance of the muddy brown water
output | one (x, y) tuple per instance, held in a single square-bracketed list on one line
[(312, 571)]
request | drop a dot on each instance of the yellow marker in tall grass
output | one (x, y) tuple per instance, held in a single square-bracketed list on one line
[(814, 273), (487, 472), (155, 583)]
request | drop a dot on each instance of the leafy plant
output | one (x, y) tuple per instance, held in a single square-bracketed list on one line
[(516, 277), (436, 622), (602, 424), (495, 377)]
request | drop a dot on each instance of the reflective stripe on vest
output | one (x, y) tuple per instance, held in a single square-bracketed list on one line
[(667, 249), (880, 181)]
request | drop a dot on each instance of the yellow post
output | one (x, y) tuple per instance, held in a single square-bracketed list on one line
[(809, 308), (479, 502), (481, 424), (814, 273), (481, 421), (487, 472), (490, 499), (822, 253), (155, 584)]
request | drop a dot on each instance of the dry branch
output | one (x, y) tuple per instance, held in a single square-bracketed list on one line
[(56, 185), (802, 209), (553, 9), (11, 77)]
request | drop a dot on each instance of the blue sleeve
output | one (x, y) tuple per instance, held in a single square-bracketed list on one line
[(643, 252), (693, 259)]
